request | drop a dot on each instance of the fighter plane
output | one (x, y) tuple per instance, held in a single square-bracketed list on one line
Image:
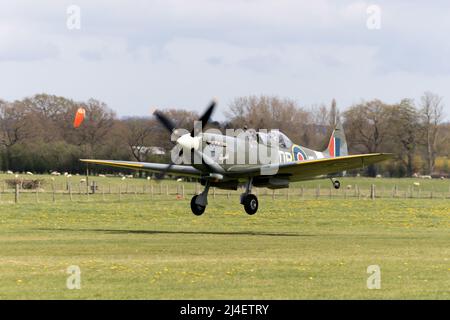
[(216, 164)]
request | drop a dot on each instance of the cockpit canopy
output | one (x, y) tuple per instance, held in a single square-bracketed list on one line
[(274, 138)]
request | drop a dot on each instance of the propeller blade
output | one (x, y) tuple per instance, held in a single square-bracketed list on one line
[(206, 115), (166, 122), (212, 166)]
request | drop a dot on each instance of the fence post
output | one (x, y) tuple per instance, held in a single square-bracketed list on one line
[(70, 190), (273, 194), (53, 192), (372, 192), (16, 194), (120, 192)]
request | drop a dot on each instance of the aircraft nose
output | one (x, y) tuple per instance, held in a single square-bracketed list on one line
[(188, 142)]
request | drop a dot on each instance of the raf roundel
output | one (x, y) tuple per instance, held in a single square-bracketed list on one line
[(299, 154)]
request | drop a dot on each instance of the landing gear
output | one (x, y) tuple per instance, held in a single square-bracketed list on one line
[(248, 200), (250, 203), (336, 183), (197, 209), (200, 201)]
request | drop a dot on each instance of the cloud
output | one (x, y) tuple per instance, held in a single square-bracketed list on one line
[(176, 53), (91, 55)]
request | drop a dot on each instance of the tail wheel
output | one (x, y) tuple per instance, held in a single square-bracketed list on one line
[(250, 204), (196, 208), (336, 184)]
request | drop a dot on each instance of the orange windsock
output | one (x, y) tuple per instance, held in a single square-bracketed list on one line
[(79, 117)]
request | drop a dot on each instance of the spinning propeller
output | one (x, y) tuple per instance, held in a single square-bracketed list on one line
[(188, 141)]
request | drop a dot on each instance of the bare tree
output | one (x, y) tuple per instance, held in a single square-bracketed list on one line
[(138, 132), (15, 126), (367, 127), (431, 115), (96, 128), (267, 112), (53, 116)]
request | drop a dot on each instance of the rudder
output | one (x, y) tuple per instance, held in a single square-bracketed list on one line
[(337, 145)]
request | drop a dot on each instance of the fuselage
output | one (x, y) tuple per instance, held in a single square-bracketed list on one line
[(248, 150)]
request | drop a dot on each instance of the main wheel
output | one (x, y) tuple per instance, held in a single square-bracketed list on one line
[(196, 208), (336, 184), (250, 204)]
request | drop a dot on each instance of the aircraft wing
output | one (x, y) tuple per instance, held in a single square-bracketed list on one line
[(308, 169), (179, 170)]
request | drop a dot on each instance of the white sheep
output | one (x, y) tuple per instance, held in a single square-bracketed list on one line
[(29, 173), (9, 172)]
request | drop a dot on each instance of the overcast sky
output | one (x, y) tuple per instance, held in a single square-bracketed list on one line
[(137, 55)]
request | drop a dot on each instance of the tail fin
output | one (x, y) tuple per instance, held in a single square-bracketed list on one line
[(338, 145)]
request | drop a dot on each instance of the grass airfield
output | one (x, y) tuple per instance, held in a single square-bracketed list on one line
[(142, 248)]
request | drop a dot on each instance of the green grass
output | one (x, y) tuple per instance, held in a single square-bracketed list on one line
[(144, 248)]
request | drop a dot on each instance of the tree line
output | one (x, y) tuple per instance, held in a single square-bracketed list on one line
[(37, 133)]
